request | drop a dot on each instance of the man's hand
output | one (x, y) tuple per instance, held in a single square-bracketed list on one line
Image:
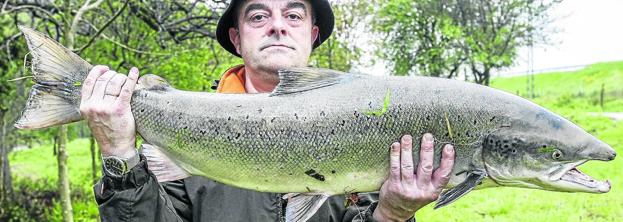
[(105, 105), (406, 191)]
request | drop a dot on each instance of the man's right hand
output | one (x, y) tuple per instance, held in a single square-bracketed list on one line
[(105, 105)]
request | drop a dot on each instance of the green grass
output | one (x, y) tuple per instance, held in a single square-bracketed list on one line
[(35, 176), (571, 94)]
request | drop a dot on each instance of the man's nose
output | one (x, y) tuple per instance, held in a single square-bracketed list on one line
[(278, 27)]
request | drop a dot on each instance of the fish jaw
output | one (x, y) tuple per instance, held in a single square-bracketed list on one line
[(568, 178)]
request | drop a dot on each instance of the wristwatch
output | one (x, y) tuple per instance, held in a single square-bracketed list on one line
[(116, 167)]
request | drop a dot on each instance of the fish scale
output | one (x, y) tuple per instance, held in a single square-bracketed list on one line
[(302, 132)]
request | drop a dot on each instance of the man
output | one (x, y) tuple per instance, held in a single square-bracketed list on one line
[(269, 35)]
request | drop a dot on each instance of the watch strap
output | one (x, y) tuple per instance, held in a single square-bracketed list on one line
[(117, 167)]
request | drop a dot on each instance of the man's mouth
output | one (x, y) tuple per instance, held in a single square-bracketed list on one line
[(276, 46), (572, 179)]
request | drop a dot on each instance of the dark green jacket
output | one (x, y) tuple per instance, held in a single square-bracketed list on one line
[(139, 197)]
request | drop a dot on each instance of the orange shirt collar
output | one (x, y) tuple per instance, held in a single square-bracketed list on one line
[(232, 81)]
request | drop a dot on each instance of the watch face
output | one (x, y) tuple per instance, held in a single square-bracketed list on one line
[(114, 166)]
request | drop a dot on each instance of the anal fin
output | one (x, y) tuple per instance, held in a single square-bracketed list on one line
[(473, 179), (302, 206)]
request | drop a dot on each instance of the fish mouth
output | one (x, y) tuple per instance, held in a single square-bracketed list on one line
[(570, 179)]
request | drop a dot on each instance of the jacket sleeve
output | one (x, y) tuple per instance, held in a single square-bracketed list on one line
[(137, 197), (362, 208)]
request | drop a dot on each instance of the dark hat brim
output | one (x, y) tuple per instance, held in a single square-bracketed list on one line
[(322, 10)]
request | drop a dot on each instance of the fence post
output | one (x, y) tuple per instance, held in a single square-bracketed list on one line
[(601, 96)]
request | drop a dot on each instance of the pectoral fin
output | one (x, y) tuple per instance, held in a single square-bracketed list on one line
[(302, 206), (473, 179)]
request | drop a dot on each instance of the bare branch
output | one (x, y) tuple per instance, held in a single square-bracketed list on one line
[(103, 27)]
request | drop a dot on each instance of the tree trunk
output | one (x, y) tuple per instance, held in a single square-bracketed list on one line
[(6, 187), (63, 176), (93, 159), (486, 76)]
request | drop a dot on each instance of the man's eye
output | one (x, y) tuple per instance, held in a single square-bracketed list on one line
[(294, 17), (256, 18)]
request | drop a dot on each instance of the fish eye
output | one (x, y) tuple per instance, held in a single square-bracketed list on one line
[(557, 154)]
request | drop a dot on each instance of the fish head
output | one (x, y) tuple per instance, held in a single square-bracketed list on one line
[(542, 150)]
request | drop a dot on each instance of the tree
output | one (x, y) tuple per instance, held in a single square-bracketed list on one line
[(340, 51), (494, 30), (419, 37), (438, 38)]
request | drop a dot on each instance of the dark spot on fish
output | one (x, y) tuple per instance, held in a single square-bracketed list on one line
[(314, 174), (237, 135), (333, 171), (427, 117), (296, 116), (168, 102), (203, 132), (273, 119), (290, 174), (185, 127), (308, 190), (238, 106), (514, 151), (343, 123), (143, 110), (247, 117), (259, 110), (322, 113), (229, 118), (492, 118), (332, 131), (475, 122)]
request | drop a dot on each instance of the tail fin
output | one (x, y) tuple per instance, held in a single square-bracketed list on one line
[(58, 73)]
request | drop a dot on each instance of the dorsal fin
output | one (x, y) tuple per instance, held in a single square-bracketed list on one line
[(295, 80), (152, 82)]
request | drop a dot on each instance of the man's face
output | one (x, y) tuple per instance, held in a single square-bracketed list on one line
[(274, 34)]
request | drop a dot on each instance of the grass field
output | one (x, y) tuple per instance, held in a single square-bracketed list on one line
[(572, 94)]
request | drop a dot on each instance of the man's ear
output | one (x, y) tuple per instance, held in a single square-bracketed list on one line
[(234, 37), (314, 34)]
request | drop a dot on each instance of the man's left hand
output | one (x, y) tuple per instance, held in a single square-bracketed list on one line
[(405, 190)]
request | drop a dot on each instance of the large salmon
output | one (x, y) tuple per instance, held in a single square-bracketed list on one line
[(323, 132)]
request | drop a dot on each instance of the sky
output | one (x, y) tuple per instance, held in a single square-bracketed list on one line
[(590, 32), (587, 32)]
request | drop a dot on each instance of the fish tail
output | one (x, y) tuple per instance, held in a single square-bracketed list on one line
[(58, 74)]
